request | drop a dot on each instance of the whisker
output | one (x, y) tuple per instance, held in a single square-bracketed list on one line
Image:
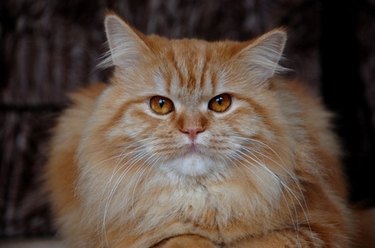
[(293, 177), (119, 166), (144, 169), (282, 192), (137, 154), (282, 165)]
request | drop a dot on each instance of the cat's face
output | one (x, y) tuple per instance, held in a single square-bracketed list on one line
[(188, 107), (192, 121)]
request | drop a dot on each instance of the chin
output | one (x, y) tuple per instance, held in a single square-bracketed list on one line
[(194, 165)]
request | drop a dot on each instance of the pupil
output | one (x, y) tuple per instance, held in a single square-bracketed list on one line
[(161, 103), (219, 100)]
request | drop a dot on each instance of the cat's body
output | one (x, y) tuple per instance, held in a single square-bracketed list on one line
[(229, 155)]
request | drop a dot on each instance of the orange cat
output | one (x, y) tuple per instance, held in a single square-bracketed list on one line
[(197, 144)]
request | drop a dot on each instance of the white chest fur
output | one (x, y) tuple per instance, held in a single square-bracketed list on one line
[(158, 199), (208, 204)]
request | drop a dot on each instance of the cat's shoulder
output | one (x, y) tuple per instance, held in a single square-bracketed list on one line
[(73, 119), (87, 95), (293, 86), (296, 92), (83, 101)]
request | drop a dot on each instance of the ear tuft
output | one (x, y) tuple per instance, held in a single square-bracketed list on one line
[(262, 56), (126, 46)]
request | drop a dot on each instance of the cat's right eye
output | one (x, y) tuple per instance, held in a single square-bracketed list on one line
[(161, 105)]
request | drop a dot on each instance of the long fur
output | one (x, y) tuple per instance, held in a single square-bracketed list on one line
[(264, 173)]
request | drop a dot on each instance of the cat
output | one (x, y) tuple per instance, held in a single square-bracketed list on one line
[(197, 144)]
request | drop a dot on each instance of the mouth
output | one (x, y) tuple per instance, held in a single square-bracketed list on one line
[(192, 149), (191, 160)]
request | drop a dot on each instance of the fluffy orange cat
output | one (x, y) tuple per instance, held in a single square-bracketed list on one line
[(197, 144)]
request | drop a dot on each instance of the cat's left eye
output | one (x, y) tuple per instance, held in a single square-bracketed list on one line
[(220, 103), (161, 105)]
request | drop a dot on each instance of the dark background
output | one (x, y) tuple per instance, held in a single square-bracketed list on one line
[(48, 48)]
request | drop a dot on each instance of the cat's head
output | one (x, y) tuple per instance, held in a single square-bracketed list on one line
[(189, 107)]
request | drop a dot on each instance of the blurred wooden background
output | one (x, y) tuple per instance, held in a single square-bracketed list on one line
[(48, 48)]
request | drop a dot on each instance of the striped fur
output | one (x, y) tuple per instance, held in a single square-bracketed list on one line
[(264, 173)]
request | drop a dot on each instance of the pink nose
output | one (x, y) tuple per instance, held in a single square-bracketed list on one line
[(192, 132)]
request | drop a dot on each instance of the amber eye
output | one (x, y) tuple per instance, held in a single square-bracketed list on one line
[(161, 105), (220, 103)]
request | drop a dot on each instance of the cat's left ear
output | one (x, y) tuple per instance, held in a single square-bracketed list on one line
[(126, 44), (261, 57)]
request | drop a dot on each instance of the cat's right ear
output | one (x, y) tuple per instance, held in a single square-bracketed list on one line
[(126, 45)]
